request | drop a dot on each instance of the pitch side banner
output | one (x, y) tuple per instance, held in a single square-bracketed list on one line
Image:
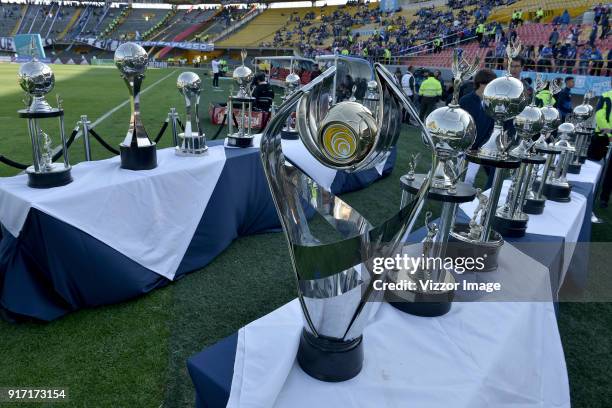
[(582, 83), (111, 45)]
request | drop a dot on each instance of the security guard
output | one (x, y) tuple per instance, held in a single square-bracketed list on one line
[(344, 51), (545, 98), (430, 91), (480, 29), (539, 14), (599, 144), (387, 55), (437, 42)]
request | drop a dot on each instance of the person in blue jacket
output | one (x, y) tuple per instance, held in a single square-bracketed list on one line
[(564, 98)]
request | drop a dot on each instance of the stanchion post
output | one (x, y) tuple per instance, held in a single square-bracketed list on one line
[(84, 123), (172, 118)]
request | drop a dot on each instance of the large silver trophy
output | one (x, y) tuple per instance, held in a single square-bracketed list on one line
[(242, 137), (335, 277), (192, 141), (510, 219), (292, 84), (453, 131), (535, 200), (138, 152), (556, 186), (37, 80), (582, 118), (503, 98)]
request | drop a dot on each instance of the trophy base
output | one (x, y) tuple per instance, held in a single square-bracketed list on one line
[(328, 359), (556, 193), (138, 158), (56, 177), (421, 303), (289, 135), (574, 168), (191, 145), (508, 227), (461, 246), (534, 206), (582, 159), (240, 141)]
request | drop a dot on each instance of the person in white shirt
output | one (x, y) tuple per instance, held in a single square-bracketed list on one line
[(408, 83), (215, 71)]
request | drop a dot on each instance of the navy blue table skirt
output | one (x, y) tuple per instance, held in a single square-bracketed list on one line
[(53, 268), (212, 369)]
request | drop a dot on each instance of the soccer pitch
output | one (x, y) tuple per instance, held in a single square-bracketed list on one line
[(133, 354)]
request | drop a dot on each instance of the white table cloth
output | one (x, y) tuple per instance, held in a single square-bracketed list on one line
[(483, 354)]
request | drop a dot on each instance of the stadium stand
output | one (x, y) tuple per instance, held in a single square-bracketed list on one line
[(11, 17)]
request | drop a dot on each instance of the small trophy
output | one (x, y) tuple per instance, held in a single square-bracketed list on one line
[(535, 200), (582, 116), (192, 142), (371, 98), (242, 137), (453, 131), (37, 80), (336, 279), (510, 220), (292, 84), (138, 152), (504, 98), (556, 187), (413, 161)]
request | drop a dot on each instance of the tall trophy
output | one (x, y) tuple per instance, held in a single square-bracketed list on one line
[(292, 84), (556, 186), (503, 98), (453, 131), (510, 219), (582, 116), (535, 199), (37, 80), (138, 152), (242, 137), (191, 142), (371, 99), (336, 276)]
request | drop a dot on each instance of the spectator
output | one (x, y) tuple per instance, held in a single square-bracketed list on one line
[(570, 58), (215, 70), (565, 19), (263, 93), (545, 60), (564, 98), (596, 61), (554, 36), (408, 83), (585, 58)]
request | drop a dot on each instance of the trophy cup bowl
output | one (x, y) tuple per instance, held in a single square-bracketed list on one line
[(335, 280), (37, 80), (292, 81), (192, 142), (243, 76), (137, 151), (504, 98)]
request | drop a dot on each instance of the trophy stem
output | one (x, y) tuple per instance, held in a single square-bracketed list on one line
[(35, 147), (64, 145), (498, 180), (547, 166)]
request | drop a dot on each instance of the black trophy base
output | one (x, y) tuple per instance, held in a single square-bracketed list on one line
[(422, 304), (289, 135), (574, 168), (235, 141), (56, 178), (328, 359), (582, 159), (462, 247), (138, 158), (560, 194), (533, 206), (510, 228)]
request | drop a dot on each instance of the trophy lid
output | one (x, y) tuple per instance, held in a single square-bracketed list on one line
[(242, 74), (36, 78), (551, 116), (566, 128), (452, 125), (583, 112), (292, 79), (504, 98), (530, 121), (189, 83), (373, 86), (131, 59)]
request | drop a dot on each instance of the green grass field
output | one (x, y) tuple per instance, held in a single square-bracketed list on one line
[(133, 354)]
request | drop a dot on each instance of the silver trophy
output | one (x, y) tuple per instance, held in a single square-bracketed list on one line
[(371, 99), (504, 98), (556, 187), (582, 118), (292, 84), (242, 137), (336, 276), (510, 219), (37, 80), (138, 152), (453, 131), (535, 199), (192, 141)]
